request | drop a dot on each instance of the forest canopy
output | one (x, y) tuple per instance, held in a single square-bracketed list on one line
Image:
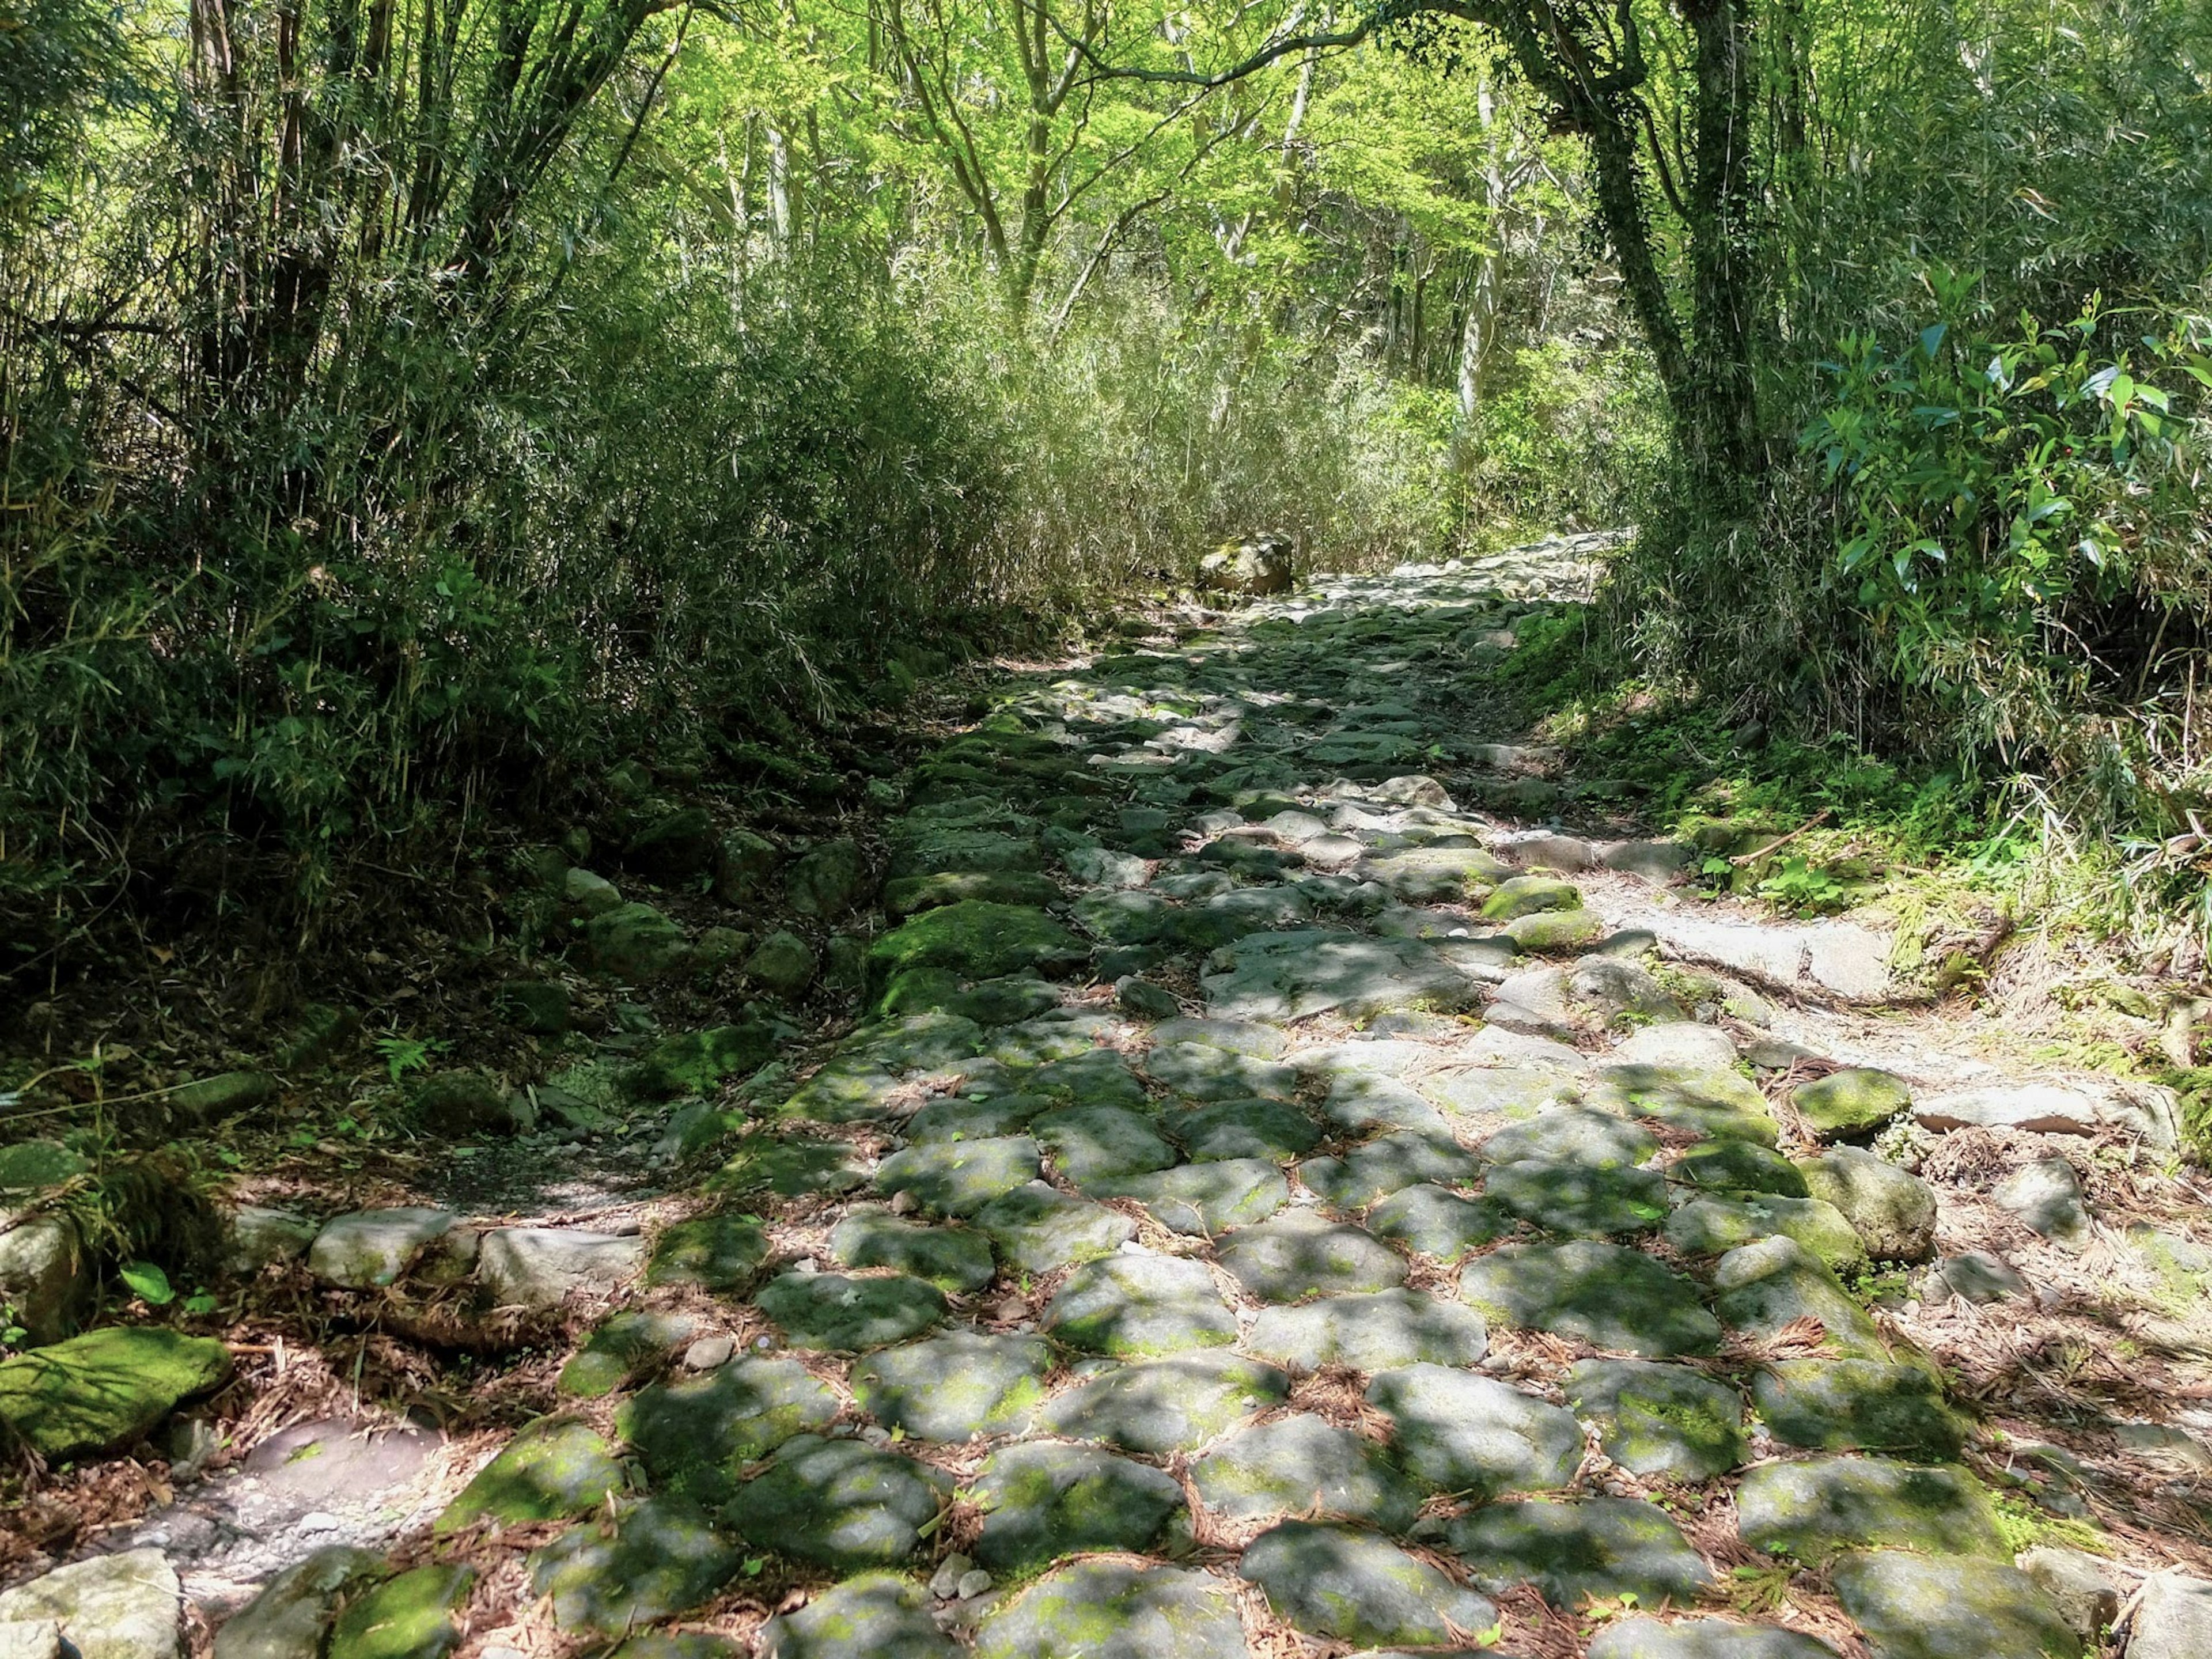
[(408, 403)]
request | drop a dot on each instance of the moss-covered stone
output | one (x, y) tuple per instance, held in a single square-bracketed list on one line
[(1093, 1143), (1164, 1406), (103, 1390), (950, 1258), (877, 1615), (1140, 1305), (1038, 1228), (1548, 931), (1301, 1463), (1813, 1509), (839, 1314), (1436, 1221), (1579, 1199), (413, 1616), (1854, 1102), (1390, 1164), (717, 1252), (696, 1062), (696, 1435), (1528, 895), (1578, 1548), (1106, 1609), (793, 1168), (975, 938), (955, 1387), (1892, 1209), (555, 1468), (1858, 1405), (1370, 1333), (635, 942), (623, 1344), (910, 896), (839, 1504), (1273, 1129), (1203, 1198), (1911, 1608), (1298, 1255), (658, 1558), (1766, 1286), (1042, 1500), (1351, 1585), (1716, 1224), (1738, 1166), (1464, 1433), (1604, 1294), (1657, 1419)]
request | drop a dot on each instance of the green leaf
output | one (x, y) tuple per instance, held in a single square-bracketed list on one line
[(148, 1282)]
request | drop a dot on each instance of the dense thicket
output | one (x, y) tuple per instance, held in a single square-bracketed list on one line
[(407, 403)]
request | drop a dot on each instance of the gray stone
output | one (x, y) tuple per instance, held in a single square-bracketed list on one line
[(763, 1162), (257, 1237), (829, 880), (1709, 1104), (1164, 1406), (555, 1469), (877, 1615), (696, 1434), (1616, 990), (1436, 1221), (1659, 861), (956, 1387), (1853, 1101), (48, 1277), (1144, 999), (619, 1345), (659, 1558), (1580, 1197), (1140, 1305), (635, 942), (124, 1606), (587, 893), (1677, 1046), (1704, 1639), (1476, 1435), (1262, 1041), (974, 1117), (2046, 1196), (1351, 1585), (1300, 1464), (541, 1267), (1892, 1210), (413, 1616), (1571, 1549), (1436, 875), (1978, 1277), (839, 1504), (1766, 1286), (715, 1251), (1203, 1198), (2053, 1110), (1105, 1609), (2173, 1621), (287, 1618), (1362, 1104), (2084, 1594), (1044, 1500), (950, 1258), (372, 1249), (839, 1314), (1273, 1129), (1390, 1163), (743, 863), (1037, 1229), (1813, 1509), (1281, 977), (1093, 1143), (1909, 1607), (1373, 1333), (1659, 1419), (1299, 1255), (1715, 1225), (1610, 1296), (960, 1177), (1863, 1405), (1574, 1134), (1200, 1072)]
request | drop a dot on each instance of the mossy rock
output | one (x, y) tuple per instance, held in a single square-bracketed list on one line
[(795, 1168), (839, 1504), (696, 1062), (910, 896), (839, 1314), (413, 1616), (1163, 1406), (1603, 1294), (101, 1391), (1575, 1549), (1528, 895), (1659, 1419), (623, 1344), (1813, 1509), (635, 942), (1042, 1500), (950, 1258), (1342, 1582), (1716, 1223), (956, 1387), (1858, 1405), (658, 1558), (1738, 1166), (876, 1615), (555, 1469), (1110, 1609), (1548, 931), (1854, 1102), (975, 938), (696, 1435), (715, 1252), (1301, 1463), (1912, 1609)]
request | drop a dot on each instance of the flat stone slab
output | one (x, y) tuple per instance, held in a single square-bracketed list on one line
[(1654, 1418), (957, 1386), (1573, 1548), (1704, 1639), (1573, 1134), (838, 1313), (1390, 1163), (790, 1168), (1717, 1225), (972, 1117), (373, 1248), (1044, 1500), (1372, 1332), (1738, 1166), (1116, 1610), (1038, 1228), (1910, 1607), (839, 1504), (1813, 1509), (553, 1469), (1273, 1129), (1858, 1405), (659, 1558), (1433, 875), (1163, 1406), (1203, 1198), (1281, 977), (2173, 1621), (1436, 1221), (950, 1258), (1718, 1105), (1855, 1100), (1140, 1305), (1465, 1433), (960, 1177), (878, 1615), (124, 1605), (543, 1267), (1300, 1464), (1580, 1199), (1299, 1255), (696, 1435), (715, 1252), (1351, 1585), (2049, 1109), (1199, 1071), (1240, 1036), (1604, 1294), (1766, 1286), (1093, 1143), (1360, 1105)]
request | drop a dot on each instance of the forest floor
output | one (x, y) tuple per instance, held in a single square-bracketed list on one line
[(1251, 1159)]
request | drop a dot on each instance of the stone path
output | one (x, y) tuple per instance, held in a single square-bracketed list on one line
[(1287, 1195)]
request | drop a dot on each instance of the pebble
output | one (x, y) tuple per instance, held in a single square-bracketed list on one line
[(709, 1351)]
